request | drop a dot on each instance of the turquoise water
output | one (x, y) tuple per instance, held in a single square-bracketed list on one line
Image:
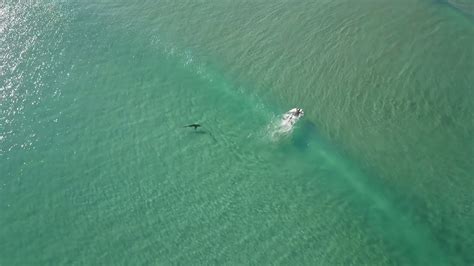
[(96, 167)]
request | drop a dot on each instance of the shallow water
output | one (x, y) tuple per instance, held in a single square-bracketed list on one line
[(96, 167)]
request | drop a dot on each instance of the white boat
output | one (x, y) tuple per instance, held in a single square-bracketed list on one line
[(292, 116), (285, 124)]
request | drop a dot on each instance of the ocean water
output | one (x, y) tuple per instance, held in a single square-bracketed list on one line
[(96, 167)]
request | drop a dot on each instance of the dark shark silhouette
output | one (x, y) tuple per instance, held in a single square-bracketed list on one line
[(195, 126)]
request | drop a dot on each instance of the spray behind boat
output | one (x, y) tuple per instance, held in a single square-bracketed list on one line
[(285, 124)]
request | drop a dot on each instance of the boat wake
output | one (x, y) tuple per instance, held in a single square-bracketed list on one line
[(283, 125)]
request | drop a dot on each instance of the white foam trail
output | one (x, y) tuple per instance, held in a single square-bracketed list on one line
[(277, 129), (282, 126)]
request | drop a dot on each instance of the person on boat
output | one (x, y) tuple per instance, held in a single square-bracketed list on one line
[(298, 112)]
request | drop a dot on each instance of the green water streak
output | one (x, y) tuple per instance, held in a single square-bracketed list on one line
[(98, 169)]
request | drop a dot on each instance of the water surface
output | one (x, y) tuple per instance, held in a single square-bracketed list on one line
[(96, 167)]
